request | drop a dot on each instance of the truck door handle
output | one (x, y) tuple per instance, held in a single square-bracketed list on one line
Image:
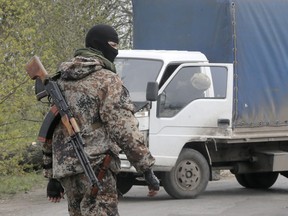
[(223, 122)]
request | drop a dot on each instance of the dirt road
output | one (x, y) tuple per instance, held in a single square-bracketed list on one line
[(222, 198), (31, 203)]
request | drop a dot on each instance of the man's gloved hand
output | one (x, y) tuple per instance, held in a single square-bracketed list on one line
[(152, 181), (55, 191)]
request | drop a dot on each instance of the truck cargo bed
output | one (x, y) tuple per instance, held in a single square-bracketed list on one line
[(252, 34)]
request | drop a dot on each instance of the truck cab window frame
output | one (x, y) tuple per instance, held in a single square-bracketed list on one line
[(181, 91)]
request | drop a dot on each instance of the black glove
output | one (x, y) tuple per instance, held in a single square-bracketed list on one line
[(152, 181), (54, 189)]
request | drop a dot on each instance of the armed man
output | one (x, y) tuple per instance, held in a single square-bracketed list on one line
[(103, 111)]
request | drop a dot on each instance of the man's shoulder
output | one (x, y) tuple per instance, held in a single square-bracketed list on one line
[(80, 61), (92, 60), (107, 78)]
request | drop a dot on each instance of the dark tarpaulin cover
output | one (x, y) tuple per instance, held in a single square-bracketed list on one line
[(252, 34)]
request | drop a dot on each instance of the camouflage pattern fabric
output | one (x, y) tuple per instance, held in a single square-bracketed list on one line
[(104, 112), (80, 201)]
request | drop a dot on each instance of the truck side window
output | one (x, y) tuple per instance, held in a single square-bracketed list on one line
[(187, 85)]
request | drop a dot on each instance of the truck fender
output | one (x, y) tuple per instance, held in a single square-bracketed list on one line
[(201, 146)]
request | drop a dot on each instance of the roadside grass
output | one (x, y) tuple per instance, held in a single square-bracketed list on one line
[(11, 185)]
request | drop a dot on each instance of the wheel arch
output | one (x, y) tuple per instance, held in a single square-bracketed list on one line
[(201, 147)]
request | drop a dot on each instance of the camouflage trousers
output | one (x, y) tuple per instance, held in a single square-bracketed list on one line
[(80, 201)]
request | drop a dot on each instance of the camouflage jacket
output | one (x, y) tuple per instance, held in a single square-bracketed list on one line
[(104, 112)]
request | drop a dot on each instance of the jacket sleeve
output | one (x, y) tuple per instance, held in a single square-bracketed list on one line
[(47, 159), (116, 112)]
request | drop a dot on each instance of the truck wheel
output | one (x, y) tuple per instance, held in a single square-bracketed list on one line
[(189, 177), (257, 180), (242, 180), (125, 182)]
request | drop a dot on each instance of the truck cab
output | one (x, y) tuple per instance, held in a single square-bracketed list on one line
[(193, 105)]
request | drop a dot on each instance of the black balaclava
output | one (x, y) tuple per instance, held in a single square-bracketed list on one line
[(98, 37)]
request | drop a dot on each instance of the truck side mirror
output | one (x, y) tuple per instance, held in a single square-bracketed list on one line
[(152, 91)]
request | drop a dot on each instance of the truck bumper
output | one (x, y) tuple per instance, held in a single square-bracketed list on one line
[(126, 166)]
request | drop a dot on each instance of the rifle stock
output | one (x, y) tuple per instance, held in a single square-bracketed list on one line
[(35, 69)]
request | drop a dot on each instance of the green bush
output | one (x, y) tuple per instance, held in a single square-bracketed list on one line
[(18, 161), (14, 184), (32, 158)]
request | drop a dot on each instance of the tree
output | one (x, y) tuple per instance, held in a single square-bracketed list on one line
[(52, 29), (15, 111)]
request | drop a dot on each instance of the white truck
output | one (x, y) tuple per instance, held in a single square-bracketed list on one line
[(184, 116), (228, 113)]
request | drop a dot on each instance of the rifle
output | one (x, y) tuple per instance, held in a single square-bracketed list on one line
[(36, 71)]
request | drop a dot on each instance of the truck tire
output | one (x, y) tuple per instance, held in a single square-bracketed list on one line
[(242, 180), (125, 182), (257, 180), (189, 177)]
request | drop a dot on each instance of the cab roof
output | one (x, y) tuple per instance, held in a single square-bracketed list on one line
[(164, 55)]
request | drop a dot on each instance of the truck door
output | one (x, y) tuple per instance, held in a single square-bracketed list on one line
[(194, 102)]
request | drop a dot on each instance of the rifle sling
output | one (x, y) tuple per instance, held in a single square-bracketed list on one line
[(102, 171)]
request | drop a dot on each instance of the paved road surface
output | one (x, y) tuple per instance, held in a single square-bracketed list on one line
[(225, 197)]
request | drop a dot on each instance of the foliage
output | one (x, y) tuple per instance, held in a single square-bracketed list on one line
[(20, 183), (51, 29), (15, 93)]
